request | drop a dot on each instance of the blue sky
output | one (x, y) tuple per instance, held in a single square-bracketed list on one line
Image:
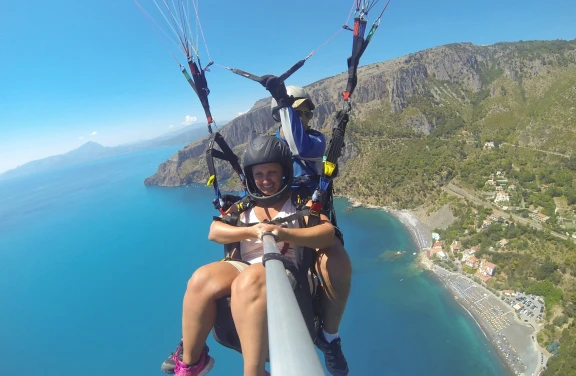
[(74, 71)]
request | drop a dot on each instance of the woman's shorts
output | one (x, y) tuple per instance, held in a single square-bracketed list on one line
[(239, 265), (312, 279)]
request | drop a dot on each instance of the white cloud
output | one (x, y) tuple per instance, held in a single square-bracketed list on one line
[(189, 120), (93, 133), (171, 126), (81, 137), (240, 113)]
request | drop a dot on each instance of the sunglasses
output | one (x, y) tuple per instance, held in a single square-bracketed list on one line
[(308, 114)]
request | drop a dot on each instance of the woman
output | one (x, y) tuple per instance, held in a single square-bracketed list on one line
[(268, 169)]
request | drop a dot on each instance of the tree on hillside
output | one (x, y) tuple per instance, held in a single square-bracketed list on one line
[(546, 269)]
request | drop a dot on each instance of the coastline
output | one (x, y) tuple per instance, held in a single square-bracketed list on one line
[(418, 230), (509, 338)]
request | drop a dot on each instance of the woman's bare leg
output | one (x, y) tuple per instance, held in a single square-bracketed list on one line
[(335, 269), (207, 284), (249, 312)]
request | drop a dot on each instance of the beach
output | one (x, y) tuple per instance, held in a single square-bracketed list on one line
[(513, 341), (419, 231)]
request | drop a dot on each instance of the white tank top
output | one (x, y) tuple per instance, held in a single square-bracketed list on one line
[(251, 250)]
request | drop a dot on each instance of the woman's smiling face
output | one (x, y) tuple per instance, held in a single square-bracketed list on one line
[(268, 177)]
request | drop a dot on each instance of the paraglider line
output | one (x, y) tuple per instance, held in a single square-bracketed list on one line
[(178, 36), (323, 44), (157, 27), (381, 13), (199, 24)]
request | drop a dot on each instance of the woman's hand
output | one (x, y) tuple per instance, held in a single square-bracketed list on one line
[(261, 228)]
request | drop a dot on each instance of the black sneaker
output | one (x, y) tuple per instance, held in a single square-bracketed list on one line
[(168, 365), (333, 357)]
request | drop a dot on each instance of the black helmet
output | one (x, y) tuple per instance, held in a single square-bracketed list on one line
[(267, 149)]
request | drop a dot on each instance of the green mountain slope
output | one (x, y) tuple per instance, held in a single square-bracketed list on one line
[(522, 93)]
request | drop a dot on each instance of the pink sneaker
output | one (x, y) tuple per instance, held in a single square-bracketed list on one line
[(201, 368)]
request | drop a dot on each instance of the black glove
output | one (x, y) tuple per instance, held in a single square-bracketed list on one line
[(278, 90)]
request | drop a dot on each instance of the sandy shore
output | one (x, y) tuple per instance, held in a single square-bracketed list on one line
[(513, 341), (419, 231)]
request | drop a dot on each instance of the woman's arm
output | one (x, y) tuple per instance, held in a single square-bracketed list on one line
[(223, 233), (319, 236)]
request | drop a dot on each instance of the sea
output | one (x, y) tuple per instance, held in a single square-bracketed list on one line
[(94, 265)]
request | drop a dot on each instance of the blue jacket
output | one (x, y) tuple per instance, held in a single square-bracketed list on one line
[(307, 147)]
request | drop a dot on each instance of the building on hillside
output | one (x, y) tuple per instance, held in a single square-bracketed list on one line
[(489, 145), (467, 254), (441, 255), (539, 217), (486, 268), (436, 252), (438, 245), (502, 196), (472, 262), (486, 223), (475, 249), (509, 292), (503, 243), (455, 247), (490, 182), (496, 217), (512, 187)]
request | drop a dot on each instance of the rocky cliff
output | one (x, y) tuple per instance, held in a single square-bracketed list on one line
[(442, 87)]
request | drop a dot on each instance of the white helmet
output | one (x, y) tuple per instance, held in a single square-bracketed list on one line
[(301, 96)]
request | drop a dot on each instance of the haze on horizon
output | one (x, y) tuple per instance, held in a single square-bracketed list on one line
[(67, 79)]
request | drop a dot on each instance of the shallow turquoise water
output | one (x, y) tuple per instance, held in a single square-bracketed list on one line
[(93, 266)]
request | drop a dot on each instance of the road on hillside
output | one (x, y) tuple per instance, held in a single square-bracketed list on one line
[(461, 192), (539, 150)]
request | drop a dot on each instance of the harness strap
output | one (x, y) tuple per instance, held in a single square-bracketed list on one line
[(229, 248), (323, 194), (201, 88), (233, 220), (225, 153), (304, 256), (300, 213), (336, 144), (278, 256)]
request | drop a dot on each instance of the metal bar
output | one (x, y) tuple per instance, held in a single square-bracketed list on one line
[(242, 73), (292, 352), (292, 70)]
